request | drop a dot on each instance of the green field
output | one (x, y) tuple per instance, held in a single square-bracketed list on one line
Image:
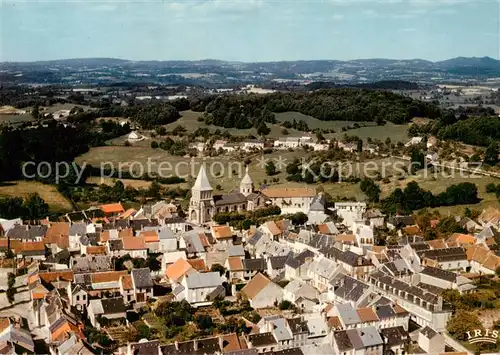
[(226, 171), (189, 120), (57, 202), (15, 118), (397, 133), (314, 123)]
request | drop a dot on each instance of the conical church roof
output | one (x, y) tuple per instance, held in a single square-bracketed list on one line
[(202, 183), (247, 179)]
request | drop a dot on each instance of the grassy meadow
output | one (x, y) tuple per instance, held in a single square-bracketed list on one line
[(56, 201)]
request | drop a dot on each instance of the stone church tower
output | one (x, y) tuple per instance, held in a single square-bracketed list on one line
[(246, 185), (201, 205)]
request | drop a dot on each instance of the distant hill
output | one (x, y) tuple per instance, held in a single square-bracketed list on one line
[(484, 66)]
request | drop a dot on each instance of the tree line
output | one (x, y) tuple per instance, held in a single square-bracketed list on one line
[(246, 111), (413, 197)]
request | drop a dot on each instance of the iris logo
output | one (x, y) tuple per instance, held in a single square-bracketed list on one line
[(482, 336)]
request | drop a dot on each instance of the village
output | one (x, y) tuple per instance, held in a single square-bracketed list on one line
[(309, 280)]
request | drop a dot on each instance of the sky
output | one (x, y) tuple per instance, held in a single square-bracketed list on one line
[(248, 30)]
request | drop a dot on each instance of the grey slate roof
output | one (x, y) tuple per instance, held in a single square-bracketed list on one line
[(115, 244), (236, 250), (37, 231), (348, 257), (142, 278), (370, 336), (318, 204), (428, 332), (229, 199), (113, 305), (254, 264), (385, 311), (348, 314), (343, 341), (255, 239), (440, 274), (90, 264), (278, 262), (300, 259), (444, 254), (78, 229), (18, 232), (261, 339), (139, 224), (193, 242), (202, 280), (394, 336)]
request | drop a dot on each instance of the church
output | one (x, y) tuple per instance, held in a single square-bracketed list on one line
[(203, 205)]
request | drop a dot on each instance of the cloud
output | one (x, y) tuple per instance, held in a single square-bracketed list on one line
[(104, 7), (233, 6), (411, 29), (338, 17), (370, 13)]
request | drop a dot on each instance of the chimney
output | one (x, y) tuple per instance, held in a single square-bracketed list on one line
[(360, 260), (195, 345), (176, 343), (221, 342)]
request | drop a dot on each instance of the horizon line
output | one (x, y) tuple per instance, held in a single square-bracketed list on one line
[(241, 61)]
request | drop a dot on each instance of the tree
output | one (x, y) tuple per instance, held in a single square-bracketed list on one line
[(204, 322), (35, 207), (461, 323), (218, 268), (417, 161), (154, 190), (299, 218), (11, 280), (271, 168), (491, 188), (359, 145), (35, 112), (370, 189), (154, 144), (178, 130), (285, 305), (491, 154), (263, 130)]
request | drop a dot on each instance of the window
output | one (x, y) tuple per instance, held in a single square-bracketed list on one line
[(77, 298), (84, 297)]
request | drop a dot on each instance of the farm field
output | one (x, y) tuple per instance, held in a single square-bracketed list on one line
[(313, 122), (189, 120), (136, 184), (226, 171), (9, 118), (56, 201), (397, 133)]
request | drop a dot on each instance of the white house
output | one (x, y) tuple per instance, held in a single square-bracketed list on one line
[(78, 296), (298, 289), (414, 141), (431, 341), (350, 211), (262, 292), (291, 199), (364, 234), (142, 284), (253, 145), (200, 287), (110, 308)]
